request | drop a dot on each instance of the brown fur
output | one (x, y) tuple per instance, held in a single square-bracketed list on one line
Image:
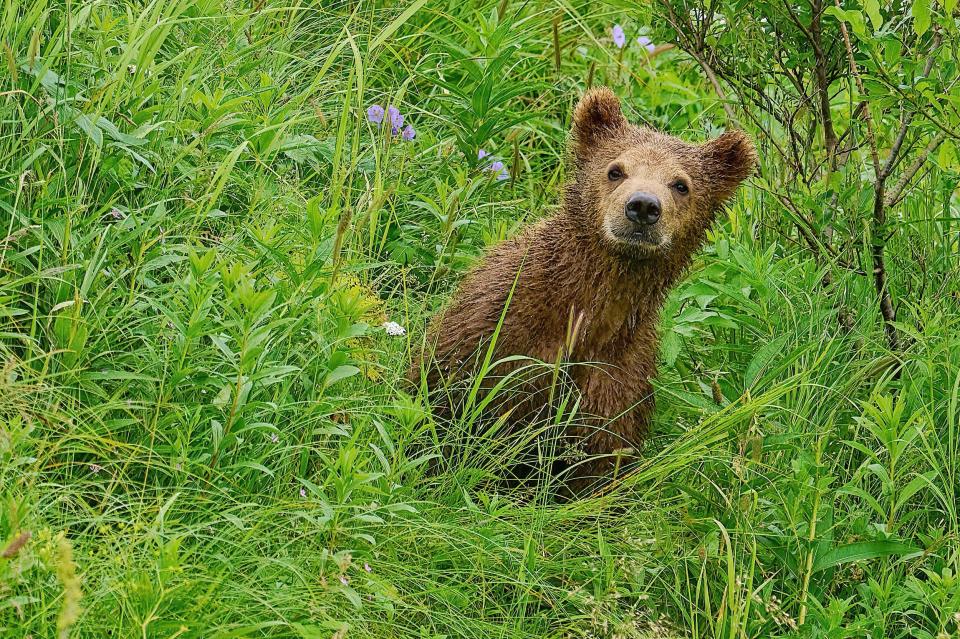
[(575, 270)]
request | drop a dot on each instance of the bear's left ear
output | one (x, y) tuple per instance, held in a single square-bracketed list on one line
[(727, 161), (596, 118)]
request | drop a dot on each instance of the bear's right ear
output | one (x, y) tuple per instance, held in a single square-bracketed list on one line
[(596, 118)]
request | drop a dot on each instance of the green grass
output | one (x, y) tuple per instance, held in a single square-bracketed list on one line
[(203, 424)]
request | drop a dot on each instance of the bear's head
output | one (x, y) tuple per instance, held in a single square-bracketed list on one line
[(647, 193)]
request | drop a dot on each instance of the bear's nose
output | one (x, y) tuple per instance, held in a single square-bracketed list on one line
[(643, 208)]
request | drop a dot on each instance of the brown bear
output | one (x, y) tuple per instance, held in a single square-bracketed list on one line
[(585, 285)]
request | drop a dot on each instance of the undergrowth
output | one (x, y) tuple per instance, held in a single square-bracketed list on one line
[(203, 427)]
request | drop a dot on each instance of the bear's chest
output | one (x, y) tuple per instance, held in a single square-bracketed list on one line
[(607, 329)]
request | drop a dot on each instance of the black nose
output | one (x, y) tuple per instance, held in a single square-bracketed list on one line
[(643, 208)]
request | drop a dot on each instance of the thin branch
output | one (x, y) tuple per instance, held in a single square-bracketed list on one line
[(867, 116), (907, 117), (887, 311), (711, 76), (894, 195), (823, 85), (807, 231), (895, 149)]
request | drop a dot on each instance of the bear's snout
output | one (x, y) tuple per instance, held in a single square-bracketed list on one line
[(643, 208)]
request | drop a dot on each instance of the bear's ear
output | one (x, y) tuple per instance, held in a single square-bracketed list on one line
[(596, 118), (727, 161)]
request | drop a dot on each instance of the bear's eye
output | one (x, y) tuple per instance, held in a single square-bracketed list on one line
[(680, 187), (615, 173)]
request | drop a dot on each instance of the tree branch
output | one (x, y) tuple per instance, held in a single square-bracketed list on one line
[(907, 117), (823, 85), (721, 95), (887, 312), (894, 195)]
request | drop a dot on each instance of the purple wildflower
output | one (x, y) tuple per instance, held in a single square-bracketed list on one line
[(375, 114), (498, 167), (367, 567), (344, 580), (396, 118), (619, 37), (645, 42), (303, 493), (409, 133)]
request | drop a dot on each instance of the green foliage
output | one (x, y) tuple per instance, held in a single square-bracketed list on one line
[(203, 428)]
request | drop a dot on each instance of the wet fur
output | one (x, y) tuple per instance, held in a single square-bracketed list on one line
[(564, 271)]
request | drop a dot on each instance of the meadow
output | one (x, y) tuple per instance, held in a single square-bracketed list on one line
[(225, 225)]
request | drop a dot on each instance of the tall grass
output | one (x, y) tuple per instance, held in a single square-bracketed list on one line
[(202, 424)]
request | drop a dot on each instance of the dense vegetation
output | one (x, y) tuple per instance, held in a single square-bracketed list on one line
[(206, 231)]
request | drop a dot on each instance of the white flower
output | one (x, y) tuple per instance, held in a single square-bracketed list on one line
[(394, 330)]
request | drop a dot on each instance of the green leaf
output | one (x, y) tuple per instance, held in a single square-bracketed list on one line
[(872, 7), (253, 465), (111, 130), (865, 497), (223, 397), (915, 485), (339, 373), (393, 26), (855, 18), (921, 16), (691, 315), (693, 399), (767, 353), (670, 348), (860, 551), (301, 148), (352, 596), (946, 155), (87, 126)]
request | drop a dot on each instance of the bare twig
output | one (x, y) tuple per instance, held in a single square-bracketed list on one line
[(893, 196), (721, 95), (695, 53), (897, 144)]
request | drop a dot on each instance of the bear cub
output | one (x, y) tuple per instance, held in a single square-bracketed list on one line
[(584, 287)]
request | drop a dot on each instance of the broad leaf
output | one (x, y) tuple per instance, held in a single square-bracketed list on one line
[(860, 551), (921, 16)]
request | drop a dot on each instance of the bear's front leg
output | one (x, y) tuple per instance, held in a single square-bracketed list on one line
[(615, 415)]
